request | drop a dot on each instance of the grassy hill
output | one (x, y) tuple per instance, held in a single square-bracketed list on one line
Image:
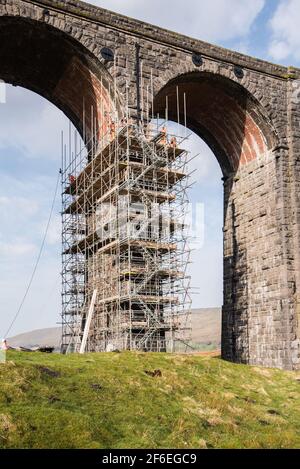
[(117, 400)]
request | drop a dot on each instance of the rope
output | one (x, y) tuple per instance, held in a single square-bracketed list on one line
[(37, 260)]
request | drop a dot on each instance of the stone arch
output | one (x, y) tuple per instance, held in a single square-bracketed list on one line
[(242, 137), (224, 114), (46, 60)]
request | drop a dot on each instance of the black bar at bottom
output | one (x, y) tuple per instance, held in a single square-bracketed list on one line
[(141, 458)]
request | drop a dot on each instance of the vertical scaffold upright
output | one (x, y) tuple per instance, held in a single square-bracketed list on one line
[(125, 242)]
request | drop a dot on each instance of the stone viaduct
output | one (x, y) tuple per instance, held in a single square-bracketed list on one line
[(245, 109)]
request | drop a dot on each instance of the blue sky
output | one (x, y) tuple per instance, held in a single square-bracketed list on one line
[(30, 154)]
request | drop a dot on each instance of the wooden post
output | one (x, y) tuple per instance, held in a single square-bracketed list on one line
[(88, 323)]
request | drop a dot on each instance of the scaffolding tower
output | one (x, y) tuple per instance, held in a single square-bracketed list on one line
[(125, 243)]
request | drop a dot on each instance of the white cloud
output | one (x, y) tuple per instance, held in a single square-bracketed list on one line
[(213, 20), (206, 271), (203, 161), (29, 210), (243, 46), (285, 41), (17, 205), (54, 232), (16, 249), (31, 125), (20, 240), (42, 306), (29, 158)]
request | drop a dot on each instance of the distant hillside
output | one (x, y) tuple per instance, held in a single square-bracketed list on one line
[(206, 326), (206, 332), (145, 400), (39, 337)]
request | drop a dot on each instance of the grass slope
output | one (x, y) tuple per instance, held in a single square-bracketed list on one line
[(109, 401)]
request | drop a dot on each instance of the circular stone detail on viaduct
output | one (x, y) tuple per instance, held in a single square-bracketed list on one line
[(107, 54), (239, 72), (197, 60)]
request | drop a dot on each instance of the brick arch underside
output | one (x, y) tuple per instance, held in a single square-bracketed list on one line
[(42, 59), (223, 114)]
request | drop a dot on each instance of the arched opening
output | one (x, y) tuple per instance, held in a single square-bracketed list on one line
[(29, 164), (223, 114), (51, 63), (240, 134), (54, 66)]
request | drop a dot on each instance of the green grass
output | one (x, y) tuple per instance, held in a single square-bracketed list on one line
[(108, 401)]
